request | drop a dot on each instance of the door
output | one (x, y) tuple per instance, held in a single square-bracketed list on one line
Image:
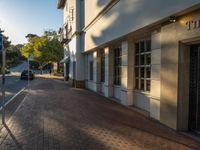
[(194, 102), (67, 70)]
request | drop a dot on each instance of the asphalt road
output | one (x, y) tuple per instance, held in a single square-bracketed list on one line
[(13, 85)]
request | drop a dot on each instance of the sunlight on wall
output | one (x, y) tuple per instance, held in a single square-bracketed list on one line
[(119, 21)]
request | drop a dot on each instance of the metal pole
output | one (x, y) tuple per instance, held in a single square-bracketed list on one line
[(3, 82), (28, 72), (3, 85)]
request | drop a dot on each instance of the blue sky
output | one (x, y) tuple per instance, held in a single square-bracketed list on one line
[(20, 17)]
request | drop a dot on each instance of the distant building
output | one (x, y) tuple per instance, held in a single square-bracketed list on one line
[(141, 53)]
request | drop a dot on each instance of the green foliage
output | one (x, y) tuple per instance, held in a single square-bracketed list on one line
[(45, 49), (13, 55), (6, 42), (29, 36)]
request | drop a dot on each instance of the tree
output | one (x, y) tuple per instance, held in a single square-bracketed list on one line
[(6, 42), (6, 45), (13, 55), (29, 36), (54, 46), (36, 47), (45, 49)]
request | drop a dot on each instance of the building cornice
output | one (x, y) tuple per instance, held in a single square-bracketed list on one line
[(146, 29), (101, 14), (61, 4)]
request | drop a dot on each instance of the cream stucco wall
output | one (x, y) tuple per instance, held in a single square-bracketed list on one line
[(94, 7), (130, 15), (72, 54), (155, 74), (94, 84), (72, 11), (173, 106)]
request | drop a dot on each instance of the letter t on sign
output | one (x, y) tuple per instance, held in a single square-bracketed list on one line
[(189, 25)]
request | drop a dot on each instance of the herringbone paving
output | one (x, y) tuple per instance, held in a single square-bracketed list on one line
[(54, 116)]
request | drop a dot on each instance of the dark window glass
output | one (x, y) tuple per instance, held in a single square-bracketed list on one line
[(142, 84), (136, 84), (137, 72), (148, 85), (142, 72), (91, 70), (142, 47), (142, 59), (148, 45), (148, 59), (102, 66), (137, 60), (148, 72), (137, 47)]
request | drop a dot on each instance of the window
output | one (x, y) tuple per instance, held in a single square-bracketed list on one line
[(117, 66), (102, 66), (91, 70), (74, 69), (143, 65)]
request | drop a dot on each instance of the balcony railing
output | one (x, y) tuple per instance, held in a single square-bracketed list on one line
[(65, 35)]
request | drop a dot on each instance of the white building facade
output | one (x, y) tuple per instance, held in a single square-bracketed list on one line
[(71, 37), (139, 53)]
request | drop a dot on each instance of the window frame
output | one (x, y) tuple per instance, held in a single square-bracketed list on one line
[(117, 65), (143, 67)]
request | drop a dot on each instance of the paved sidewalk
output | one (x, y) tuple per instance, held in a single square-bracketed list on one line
[(54, 116)]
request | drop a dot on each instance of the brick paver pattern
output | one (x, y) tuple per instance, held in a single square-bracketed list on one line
[(54, 116)]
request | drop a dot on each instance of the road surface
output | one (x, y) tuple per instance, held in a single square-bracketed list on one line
[(54, 116), (13, 85)]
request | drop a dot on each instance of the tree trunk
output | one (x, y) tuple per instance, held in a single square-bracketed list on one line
[(41, 71), (58, 68)]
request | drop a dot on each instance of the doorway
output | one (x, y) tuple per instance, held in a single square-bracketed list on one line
[(194, 89)]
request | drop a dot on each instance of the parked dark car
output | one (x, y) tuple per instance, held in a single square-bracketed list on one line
[(24, 75)]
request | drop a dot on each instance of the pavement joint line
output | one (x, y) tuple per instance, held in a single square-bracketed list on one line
[(9, 121), (11, 99)]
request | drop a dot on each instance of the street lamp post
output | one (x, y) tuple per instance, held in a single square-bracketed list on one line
[(28, 70), (30, 57), (3, 75)]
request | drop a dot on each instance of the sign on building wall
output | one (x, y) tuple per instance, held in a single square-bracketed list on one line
[(193, 24)]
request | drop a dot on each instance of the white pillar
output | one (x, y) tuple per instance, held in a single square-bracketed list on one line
[(79, 66), (155, 75), (109, 63), (96, 69), (127, 74)]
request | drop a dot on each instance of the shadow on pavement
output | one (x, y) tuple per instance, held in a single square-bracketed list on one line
[(13, 137), (55, 116)]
